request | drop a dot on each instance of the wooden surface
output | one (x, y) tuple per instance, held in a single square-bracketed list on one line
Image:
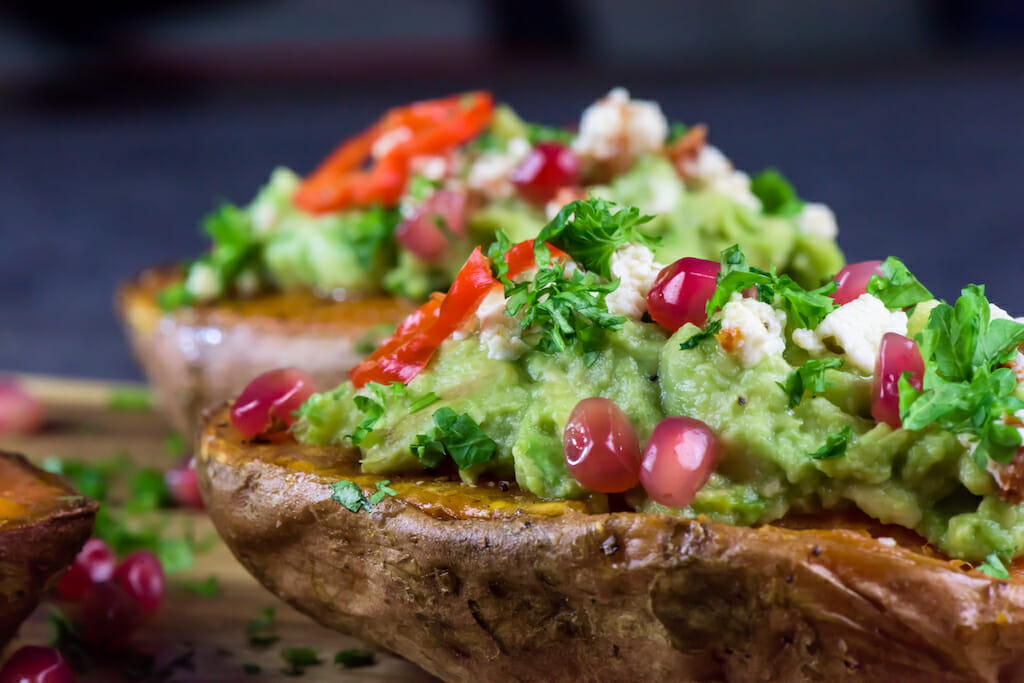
[(81, 426)]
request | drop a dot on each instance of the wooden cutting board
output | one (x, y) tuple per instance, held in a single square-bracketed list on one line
[(82, 425)]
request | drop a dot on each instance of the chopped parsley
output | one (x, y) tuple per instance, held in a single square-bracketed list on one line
[(810, 377), (994, 565), (174, 296), (804, 308), (350, 494), (130, 399), (299, 659), (261, 631), (423, 401), (675, 131), (835, 445), (382, 490), (710, 330), (456, 436), (965, 389), (590, 231), (354, 658), (207, 588), (778, 198), (373, 411), (386, 395), (537, 132), (897, 287)]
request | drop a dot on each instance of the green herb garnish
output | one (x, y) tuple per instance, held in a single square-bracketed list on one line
[(174, 444), (423, 401), (536, 132), (354, 658), (382, 490), (994, 566), (710, 330), (835, 445), (810, 377), (675, 131), (456, 436), (130, 399), (207, 588), (897, 287), (778, 198), (299, 659), (174, 296), (350, 495), (373, 412), (260, 631)]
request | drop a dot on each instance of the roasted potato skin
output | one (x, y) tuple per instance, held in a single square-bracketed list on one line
[(477, 584), (197, 357), (38, 544)]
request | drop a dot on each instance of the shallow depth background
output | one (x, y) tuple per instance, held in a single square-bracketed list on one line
[(122, 123)]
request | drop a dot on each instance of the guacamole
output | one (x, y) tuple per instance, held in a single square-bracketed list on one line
[(623, 151), (781, 375)]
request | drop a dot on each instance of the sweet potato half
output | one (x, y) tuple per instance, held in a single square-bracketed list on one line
[(197, 357), (43, 525), (487, 583)]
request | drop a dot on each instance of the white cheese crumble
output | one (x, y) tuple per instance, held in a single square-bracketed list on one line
[(817, 220), (856, 329), (751, 329), (202, 282), (712, 170), (431, 167), (491, 172), (616, 126), (500, 333), (887, 540), (636, 269)]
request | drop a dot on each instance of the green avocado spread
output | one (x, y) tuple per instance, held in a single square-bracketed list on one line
[(779, 373), (272, 244)]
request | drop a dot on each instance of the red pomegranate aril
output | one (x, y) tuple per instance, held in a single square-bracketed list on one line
[(601, 447), (547, 168), (681, 292), (183, 484), (896, 355), (109, 615), (142, 577), (422, 232), (35, 664), (681, 455), (853, 280), (20, 411), (93, 564), (274, 395)]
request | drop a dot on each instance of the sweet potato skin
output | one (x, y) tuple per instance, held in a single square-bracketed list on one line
[(474, 584), (40, 541), (195, 358)]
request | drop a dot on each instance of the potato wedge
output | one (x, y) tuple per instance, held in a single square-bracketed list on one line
[(197, 357), (43, 525), (488, 583)]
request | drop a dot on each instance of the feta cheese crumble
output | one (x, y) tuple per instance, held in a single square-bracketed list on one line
[(491, 172), (617, 127), (817, 220), (854, 330), (636, 269), (712, 170), (751, 329), (202, 282), (500, 333)]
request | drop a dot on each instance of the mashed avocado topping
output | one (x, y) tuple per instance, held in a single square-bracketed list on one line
[(776, 371), (412, 241)]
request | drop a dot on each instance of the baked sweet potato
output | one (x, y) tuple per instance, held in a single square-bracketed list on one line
[(43, 524), (197, 357), (480, 583)]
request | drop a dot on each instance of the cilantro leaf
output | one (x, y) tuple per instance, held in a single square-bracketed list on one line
[(382, 490), (174, 296), (536, 132), (370, 230), (710, 330), (993, 566), (299, 659), (261, 630), (130, 399), (208, 587), (350, 495), (675, 131), (354, 658), (373, 410), (835, 445), (423, 401), (429, 449), (590, 231), (778, 198), (897, 287), (808, 378), (457, 436)]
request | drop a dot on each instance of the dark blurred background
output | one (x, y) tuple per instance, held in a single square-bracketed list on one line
[(123, 122)]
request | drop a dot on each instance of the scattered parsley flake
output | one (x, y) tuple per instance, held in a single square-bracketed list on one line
[(778, 198), (994, 566), (675, 131), (536, 132), (260, 631), (350, 495), (423, 401), (835, 445), (354, 658), (174, 296), (382, 490), (710, 330), (808, 378), (897, 287), (456, 436), (130, 399), (299, 659), (207, 588)]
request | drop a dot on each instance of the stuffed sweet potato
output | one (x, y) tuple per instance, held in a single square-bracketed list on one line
[(301, 272), (43, 524)]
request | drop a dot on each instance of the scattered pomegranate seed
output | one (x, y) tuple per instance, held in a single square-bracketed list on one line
[(183, 484), (547, 168), (20, 411), (275, 394), (109, 616), (35, 664), (93, 564), (142, 577)]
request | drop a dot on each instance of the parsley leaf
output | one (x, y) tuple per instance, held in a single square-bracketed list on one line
[(458, 436), (835, 445), (993, 566), (590, 232), (423, 401), (712, 328), (536, 132), (208, 587), (299, 659), (382, 490), (349, 494), (897, 287), (174, 296), (810, 377), (354, 658), (261, 630), (373, 411), (778, 198), (130, 399), (675, 131)]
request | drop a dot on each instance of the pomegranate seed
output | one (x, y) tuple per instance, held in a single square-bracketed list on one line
[(547, 168), (142, 577), (109, 615), (853, 280), (681, 292), (183, 484), (275, 394), (422, 232), (93, 564), (681, 455), (896, 355), (20, 411), (34, 664), (601, 447)]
